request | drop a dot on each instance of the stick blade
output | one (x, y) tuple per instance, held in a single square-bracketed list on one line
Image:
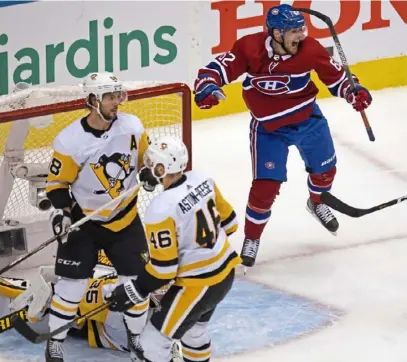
[(338, 205), (24, 329)]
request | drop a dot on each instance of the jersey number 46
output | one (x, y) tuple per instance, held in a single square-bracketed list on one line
[(207, 231)]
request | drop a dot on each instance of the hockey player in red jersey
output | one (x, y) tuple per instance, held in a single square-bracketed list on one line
[(281, 98)]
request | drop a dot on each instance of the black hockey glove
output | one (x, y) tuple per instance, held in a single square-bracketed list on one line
[(146, 176), (124, 297), (61, 221)]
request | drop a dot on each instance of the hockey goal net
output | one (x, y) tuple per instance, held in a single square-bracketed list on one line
[(31, 118)]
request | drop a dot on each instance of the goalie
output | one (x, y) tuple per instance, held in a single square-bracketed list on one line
[(104, 330)]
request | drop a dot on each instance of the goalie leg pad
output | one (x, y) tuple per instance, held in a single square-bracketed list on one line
[(65, 302), (36, 297), (258, 211), (318, 183)]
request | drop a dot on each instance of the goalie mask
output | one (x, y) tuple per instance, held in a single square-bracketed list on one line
[(168, 152)]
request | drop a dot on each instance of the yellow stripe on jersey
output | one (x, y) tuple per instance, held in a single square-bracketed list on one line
[(227, 215), (56, 186), (159, 275), (123, 222), (216, 278), (107, 213), (182, 305), (162, 236), (143, 145), (63, 171), (203, 263)]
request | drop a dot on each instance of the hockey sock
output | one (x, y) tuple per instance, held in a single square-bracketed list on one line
[(64, 303), (136, 317), (200, 353), (258, 211), (318, 183)]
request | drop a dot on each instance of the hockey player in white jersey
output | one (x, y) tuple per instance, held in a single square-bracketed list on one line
[(95, 159), (187, 226)]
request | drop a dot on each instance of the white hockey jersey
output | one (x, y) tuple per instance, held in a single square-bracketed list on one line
[(98, 167), (187, 227)]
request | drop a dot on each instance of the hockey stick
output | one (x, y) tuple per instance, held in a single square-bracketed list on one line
[(5, 321), (73, 227), (327, 20), (338, 205), (27, 332)]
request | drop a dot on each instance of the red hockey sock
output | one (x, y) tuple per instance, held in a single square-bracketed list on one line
[(261, 197), (321, 182)]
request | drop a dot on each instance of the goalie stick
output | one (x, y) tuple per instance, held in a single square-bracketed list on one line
[(112, 203), (5, 321), (27, 332), (327, 20), (338, 205)]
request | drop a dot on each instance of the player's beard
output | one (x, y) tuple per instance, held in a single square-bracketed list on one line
[(107, 116)]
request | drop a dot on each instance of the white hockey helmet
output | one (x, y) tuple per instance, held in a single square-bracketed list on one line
[(99, 84), (169, 151)]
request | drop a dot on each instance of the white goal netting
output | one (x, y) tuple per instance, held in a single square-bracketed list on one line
[(31, 118)]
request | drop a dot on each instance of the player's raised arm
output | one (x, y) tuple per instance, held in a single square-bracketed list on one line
[(333, 75), (222, 70)]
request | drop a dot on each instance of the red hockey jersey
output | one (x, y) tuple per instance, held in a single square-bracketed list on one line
[(278, 90)]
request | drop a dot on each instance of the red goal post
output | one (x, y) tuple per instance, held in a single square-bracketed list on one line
[(31, 118)]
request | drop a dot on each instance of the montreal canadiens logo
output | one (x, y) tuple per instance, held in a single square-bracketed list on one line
[(271, 85)]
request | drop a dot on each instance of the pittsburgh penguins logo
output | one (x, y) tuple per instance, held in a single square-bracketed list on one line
[(111, 172)]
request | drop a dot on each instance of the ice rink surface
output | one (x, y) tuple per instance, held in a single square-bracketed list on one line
[(311, 297)]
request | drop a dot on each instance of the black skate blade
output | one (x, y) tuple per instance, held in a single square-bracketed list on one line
[(24, 329)]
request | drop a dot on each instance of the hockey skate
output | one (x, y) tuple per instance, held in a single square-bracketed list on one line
[(176, 352), (324, 215), (249, 251), (54, 351), (136, 352)]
